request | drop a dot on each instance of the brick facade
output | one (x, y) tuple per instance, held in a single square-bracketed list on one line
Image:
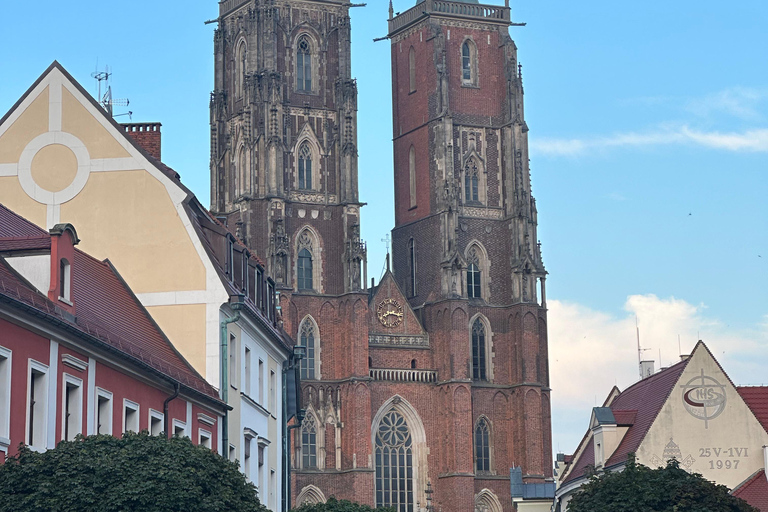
[(393, 348)]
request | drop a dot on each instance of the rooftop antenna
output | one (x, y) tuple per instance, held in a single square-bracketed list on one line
[(640, 351), (106, 101), (386, 241)]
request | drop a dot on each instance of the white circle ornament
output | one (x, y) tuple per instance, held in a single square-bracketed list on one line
[(37, 192)]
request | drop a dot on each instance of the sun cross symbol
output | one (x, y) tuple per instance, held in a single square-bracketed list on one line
[(704, 398)]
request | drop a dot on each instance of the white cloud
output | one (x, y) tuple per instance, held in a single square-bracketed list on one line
[(741, 102), (591, 351), (745, 141)]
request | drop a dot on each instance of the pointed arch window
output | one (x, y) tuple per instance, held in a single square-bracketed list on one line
[(412, 254), (469, 63), (394, 463), (240, 69), (304, 65), (309, 443), (412, 69), (482, 446), (412, 175), (474, 283), (478, 351), (305, 167), (471, 182), (307, 339), (304, 269)]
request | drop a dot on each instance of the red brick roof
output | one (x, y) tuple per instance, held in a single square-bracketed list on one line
[(106, 310), (754, 491), (638, 406), (756, 398)]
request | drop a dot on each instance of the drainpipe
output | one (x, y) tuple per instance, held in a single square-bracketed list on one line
[(236, 303), (166, 416)]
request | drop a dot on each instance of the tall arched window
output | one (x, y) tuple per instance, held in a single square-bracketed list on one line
[(304, 269), (242, 167), (304, 65), (240, 68), (412, 69), (307, 339), (412, 254), (305, 167), (482, 446), (478, 351), (308, 443), (473, 281), (471, 182), (394, 463), (466, 61), (412, 175)]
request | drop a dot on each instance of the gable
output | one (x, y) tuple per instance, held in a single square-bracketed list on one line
[(706, 425), (390, 314)]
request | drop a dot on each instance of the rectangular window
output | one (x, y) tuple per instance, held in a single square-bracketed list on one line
[(103, 412), (247, 457), (130, 416), (232, 453), (261, 475), (232, 360), (247, 372), (72, 402), (204, 438), (252, 284), (272, 489), (272, 386), (261, 382), (260, 289), (156, 420), (5, 395), (179, 428), (37, 405)]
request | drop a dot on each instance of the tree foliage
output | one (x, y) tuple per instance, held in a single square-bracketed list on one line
[(334, 505), (135, 472), (667, 489)]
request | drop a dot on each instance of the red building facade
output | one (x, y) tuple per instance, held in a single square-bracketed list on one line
[(80, 355), (436, 378)]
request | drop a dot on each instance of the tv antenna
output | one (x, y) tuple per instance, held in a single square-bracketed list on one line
[(106, 100), (640, 351)]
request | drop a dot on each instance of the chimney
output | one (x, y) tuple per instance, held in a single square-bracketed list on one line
[(63, 242), (146, 135), (646, 368)]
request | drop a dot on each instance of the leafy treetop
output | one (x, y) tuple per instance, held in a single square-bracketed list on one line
[(334, 505)]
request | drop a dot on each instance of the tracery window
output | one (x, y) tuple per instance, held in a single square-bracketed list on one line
[(308, 443), (305, 167), (478, 351), (307, 339), (471, 182), (412, 69), (394, 463), (304, 270), (304, 65), (474, 288), (412, 254), (240, 70), (412, 175), (482, 446)]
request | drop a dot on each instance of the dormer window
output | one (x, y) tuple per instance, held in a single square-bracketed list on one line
[(230, 258), (65, 280)]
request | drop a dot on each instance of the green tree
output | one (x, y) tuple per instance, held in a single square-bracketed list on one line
[(334, 505), (135, 472), (668, 489)]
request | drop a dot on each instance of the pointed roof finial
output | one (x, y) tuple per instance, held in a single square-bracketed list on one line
[(391, 10)]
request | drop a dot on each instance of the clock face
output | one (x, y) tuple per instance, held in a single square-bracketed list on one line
[(390, 313)]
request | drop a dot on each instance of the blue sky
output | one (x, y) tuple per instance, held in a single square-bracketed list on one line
[(649, 147)]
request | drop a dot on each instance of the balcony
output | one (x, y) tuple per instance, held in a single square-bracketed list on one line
[(449, 8), (396, 375)]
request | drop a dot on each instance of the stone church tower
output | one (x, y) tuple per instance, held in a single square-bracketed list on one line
[(429, 387)]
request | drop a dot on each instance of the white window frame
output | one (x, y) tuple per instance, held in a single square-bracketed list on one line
[(155, 415), (272, 393), (133, 406), (261, 382), (178, 424), (232, 362), (107, 395), (204, 434), (247, 370), (41, 412), (6, 369), (65, 267), (67, 379)]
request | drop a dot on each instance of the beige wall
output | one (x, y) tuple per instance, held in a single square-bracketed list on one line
[(32, 123), (727, 448), (185, 327), (13, 197)]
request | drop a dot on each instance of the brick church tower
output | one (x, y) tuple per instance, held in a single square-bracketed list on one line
[(428, 388)]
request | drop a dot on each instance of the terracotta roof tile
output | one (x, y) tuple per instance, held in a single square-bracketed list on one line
[(644, 400), (14, 226), (754, 491), (106, 309), (756, 398)]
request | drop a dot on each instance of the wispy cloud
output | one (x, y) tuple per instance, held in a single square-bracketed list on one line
[(741, 102), (745, 141), (591, 351)]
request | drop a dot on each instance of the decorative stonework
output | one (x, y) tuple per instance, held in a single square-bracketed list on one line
[(482, 213), (311, 197), (394, 340)]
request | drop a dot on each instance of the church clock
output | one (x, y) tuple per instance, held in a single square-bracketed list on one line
[(390, 313)]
